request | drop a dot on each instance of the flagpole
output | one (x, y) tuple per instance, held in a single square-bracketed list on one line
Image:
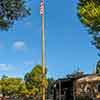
[(43, 60), (43, 57)]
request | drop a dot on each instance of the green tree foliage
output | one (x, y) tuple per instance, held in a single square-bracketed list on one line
[(98, 67), (12, 87), (30, 87), (10, 11), (89, 15), (33, 81)]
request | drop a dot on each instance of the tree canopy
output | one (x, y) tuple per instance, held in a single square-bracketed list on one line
[(10, 11), (12, 87), (33, 81), (29, 87), (89, 15)]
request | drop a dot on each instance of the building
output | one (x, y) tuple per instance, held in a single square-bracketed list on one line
[(77, 86)]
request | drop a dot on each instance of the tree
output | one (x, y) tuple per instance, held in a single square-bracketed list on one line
[(33, 81), (89, 15), (12, 87), (10, 11), (98, 67)]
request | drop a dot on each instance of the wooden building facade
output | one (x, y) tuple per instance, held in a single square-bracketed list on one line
[(77, 87)]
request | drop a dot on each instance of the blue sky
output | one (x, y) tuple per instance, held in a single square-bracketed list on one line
[(68, 44)]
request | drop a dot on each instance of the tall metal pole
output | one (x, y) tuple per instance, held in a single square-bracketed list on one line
[(43, 58)]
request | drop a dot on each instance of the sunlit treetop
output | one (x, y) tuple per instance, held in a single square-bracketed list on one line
[(89, 14), (10, 11)]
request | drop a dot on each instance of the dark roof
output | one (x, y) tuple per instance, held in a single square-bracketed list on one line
[(74, 76)]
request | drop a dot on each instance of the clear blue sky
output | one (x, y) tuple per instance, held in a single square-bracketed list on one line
[(67, 42)]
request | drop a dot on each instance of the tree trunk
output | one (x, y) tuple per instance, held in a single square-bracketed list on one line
[(3, 98)]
